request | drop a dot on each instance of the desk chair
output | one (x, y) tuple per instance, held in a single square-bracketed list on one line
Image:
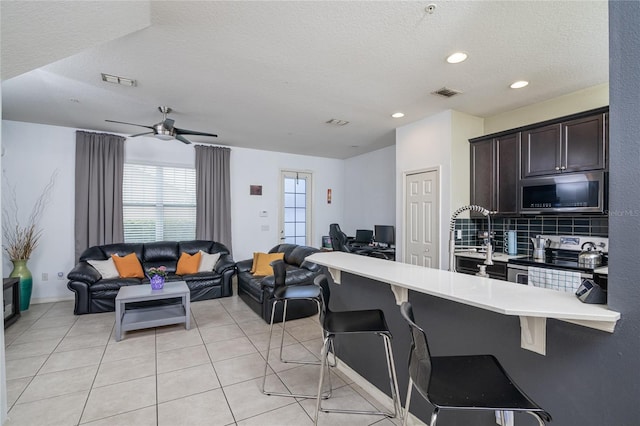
[(351, 322), (282, 293), (339, 240), (469, 382)]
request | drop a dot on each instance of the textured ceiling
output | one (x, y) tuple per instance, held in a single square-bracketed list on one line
[(268, 75)]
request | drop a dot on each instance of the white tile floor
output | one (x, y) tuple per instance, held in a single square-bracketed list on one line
[(69, 370)]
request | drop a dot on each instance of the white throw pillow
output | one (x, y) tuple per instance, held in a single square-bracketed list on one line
[(208, 261), (106, 268)]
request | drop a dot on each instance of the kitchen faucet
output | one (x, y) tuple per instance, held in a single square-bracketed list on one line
[(452, 239)]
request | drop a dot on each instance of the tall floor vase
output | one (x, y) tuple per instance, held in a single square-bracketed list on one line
[(21, 271)]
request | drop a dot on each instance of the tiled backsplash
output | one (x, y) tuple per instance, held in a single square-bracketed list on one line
[(530, 227)]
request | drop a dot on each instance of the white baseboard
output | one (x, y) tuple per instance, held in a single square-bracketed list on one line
[(51, 300), (376, 393)]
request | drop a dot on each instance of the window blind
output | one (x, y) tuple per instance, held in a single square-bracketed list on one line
[(159, 203)]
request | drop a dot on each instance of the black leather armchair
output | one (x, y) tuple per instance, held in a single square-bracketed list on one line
[(257, 291), (94, 294)]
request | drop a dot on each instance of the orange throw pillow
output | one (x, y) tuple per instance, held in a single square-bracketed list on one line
[(255, 262), (188, 264), (128, 266), (262, 264)]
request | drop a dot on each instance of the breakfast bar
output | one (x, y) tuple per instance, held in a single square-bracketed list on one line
[(465, 314), (532, 304)]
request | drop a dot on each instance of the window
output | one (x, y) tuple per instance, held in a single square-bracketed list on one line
[(296, 208), (159, 203)]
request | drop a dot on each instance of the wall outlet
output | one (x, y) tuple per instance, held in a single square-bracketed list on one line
[(263, 213), (45, 276), (61, 275)]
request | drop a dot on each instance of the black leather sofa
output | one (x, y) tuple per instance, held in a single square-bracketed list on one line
[(94, 294), (257, 291)]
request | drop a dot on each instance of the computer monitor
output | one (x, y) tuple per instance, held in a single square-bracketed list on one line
[(363, 236), (385, 234)]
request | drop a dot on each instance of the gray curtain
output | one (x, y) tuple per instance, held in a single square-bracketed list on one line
[(99, 168), (213, 192)]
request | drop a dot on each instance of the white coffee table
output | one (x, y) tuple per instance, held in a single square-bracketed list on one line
[(153, 316)]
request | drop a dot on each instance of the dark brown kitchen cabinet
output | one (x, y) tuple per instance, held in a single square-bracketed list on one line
[(569, 146), (507, 149), (541, 151), (494, 173), (584, 144), (482, 168), (469, 265)]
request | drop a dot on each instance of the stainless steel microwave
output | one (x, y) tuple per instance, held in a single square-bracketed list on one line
[(564, 193)]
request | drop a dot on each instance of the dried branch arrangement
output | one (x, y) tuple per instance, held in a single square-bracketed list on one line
[(21, 239)]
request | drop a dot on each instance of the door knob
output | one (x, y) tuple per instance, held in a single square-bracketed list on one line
[(426, 250), (563, 168), (557, 168)]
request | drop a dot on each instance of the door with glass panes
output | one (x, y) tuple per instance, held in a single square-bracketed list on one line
[(295, 207)]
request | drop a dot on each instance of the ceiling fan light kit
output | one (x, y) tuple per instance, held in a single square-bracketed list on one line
[(165, 130)]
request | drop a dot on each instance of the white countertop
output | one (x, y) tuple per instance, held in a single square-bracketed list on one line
[(497, 256), (494, 295), (603, 270)]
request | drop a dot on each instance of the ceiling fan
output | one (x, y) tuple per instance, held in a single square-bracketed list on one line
[(165, 129)]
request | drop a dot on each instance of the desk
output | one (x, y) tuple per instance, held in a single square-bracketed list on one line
[(375, 251)]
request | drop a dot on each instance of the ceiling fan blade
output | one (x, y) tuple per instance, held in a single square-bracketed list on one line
[(168, 123), (183, 139), (193, 132), (131, 124), (140, 134)]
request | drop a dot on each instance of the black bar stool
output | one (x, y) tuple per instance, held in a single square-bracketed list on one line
[(351, 322), (282, 294), (469, 382)]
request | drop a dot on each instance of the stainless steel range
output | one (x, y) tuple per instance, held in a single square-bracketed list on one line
[(560, 268)]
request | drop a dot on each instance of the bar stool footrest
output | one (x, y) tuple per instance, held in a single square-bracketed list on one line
[(373, 413)]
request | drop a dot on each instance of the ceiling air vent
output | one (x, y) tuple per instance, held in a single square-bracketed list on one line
[(108, 78), (446, 92), (337, 122)]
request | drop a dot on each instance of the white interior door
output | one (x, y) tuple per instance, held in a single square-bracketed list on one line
[(295, 208), (421, 229)]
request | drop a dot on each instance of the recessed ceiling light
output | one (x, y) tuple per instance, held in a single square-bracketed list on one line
[(519, 84), (397, 115), (456, 58)]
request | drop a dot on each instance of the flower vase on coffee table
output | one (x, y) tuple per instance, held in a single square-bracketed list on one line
[(157, 282)]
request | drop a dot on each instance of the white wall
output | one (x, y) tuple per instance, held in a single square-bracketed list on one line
[(32, 154), (582, 100), (423, 145), (464, 127), (3, 371), (34, 151), (370, 188), (439, 141), (255, 167)]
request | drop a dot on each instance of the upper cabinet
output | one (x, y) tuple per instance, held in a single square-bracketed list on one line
[(494, 173), (482, 174), (569, 146), (500, 162)]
